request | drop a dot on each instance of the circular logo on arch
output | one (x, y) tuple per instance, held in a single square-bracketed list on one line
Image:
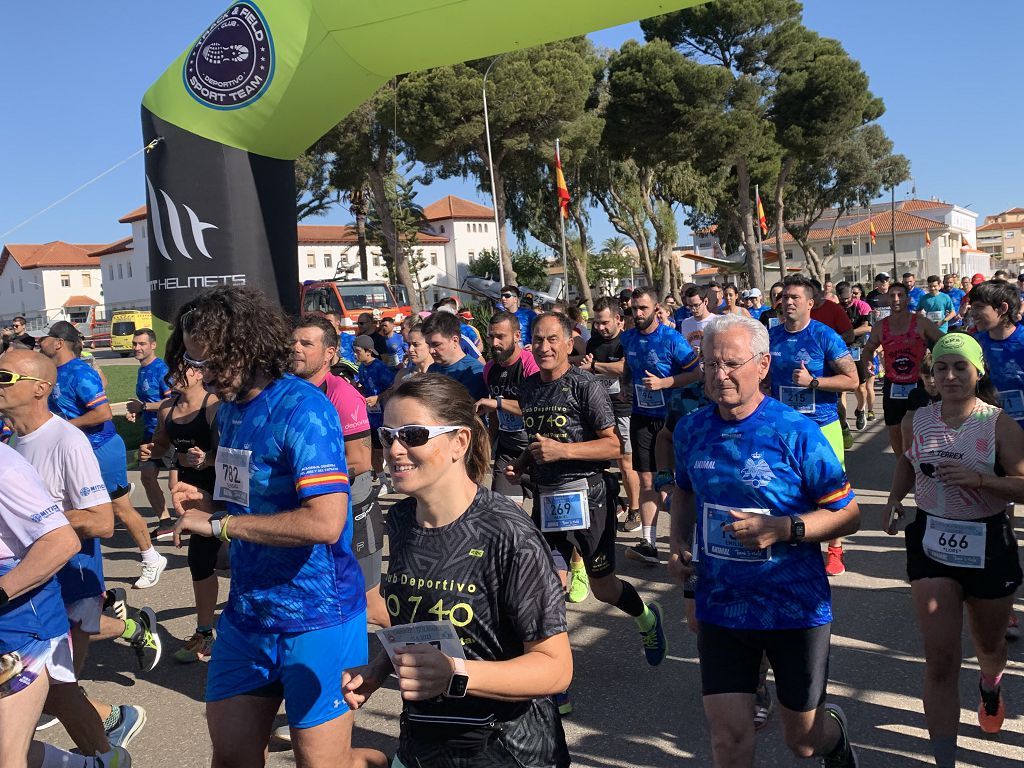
[(232, 64)]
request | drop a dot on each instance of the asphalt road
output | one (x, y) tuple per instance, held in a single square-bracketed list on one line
[(627, 714)]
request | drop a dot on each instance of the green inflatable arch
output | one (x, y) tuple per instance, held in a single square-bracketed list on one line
[(265, 81)]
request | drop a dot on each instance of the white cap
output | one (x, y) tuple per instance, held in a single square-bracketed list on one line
[(753, 293), (447, 308)]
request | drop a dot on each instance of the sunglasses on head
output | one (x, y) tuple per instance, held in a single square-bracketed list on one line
[(10, 377), (412, 435), (191, 362)]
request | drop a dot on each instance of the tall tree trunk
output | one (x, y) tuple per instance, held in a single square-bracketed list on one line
[(359, 208), (814, 263), (746, 215), (780, 205), (387, 220), (580, 257)]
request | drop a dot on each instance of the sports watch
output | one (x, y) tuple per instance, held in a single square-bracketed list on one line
[(459, 683), (796, 529), (814, 383)]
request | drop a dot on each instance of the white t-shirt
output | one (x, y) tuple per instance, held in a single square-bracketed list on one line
[(693, 330), (63, 457), (27, 512)]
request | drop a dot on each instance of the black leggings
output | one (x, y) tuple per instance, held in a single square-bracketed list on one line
[(202, 556)]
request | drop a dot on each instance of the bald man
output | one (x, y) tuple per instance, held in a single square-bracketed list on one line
[(64, 459)]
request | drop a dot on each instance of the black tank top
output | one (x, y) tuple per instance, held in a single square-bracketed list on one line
[(196, 432)]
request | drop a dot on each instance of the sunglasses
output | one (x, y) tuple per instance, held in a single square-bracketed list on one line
[(412, 435), (193, 363), (509, 296), (10, 377)]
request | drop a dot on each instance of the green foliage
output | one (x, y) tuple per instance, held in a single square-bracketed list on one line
[(314, 193), (407, 221), (529, 264)]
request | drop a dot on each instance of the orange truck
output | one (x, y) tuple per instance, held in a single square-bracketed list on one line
[(351, 298)]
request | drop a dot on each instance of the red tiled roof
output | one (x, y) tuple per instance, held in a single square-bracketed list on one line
[(137, 215), (452, 207), (121, 246), (81, 301), (330, 234), (905, 222), (706, 271), (1012, 210), (48, 255), (920, 205), (999, 225)]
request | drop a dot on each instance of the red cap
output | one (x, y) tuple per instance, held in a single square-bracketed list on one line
[(977, 278)]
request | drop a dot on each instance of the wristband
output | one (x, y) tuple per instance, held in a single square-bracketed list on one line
[(223, 536)]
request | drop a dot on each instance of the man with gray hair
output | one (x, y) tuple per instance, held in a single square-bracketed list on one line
[(759, 489)]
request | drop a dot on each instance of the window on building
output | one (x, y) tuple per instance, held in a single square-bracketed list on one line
[(1011, 249), (86, 280), (847, 249), (12, 285), (867, 246), (890, 246), (1009, 235), (120, 271), (442, 229), (485, 227), (433, 258), (376, 261), (311, 260), (21, 286), (65, 280), (328, 262), (110, 271), (129, 270), (789, 255), (472, 255)]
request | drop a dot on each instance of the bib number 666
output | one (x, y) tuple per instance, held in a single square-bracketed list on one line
[(952, 541)]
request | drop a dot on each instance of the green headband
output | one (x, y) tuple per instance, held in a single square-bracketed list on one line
[(961, 345)]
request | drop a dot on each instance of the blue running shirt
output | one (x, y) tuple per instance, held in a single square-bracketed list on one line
[(468, 371), (663, 352), (375, 378), (777, 461), (816, 346), (526, 318), (1004, 361), (292, 439), (151, 387), (79, 390)]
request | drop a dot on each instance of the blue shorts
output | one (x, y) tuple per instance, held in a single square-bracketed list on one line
[(113, 461), (303, 668)]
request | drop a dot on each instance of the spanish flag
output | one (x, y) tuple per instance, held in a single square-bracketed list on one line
[(872, 231), (761, 218), (927, 239), (563, 190)]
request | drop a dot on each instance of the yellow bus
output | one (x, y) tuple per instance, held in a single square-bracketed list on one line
[(123, 325)]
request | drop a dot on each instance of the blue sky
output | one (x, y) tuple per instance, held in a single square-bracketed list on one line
[(74, 75)]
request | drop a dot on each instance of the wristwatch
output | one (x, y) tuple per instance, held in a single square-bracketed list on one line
[(814, 383), (459, 683), (796, 529), (497, 400), (215, 526)]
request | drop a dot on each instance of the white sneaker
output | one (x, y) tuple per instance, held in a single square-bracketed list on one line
[(386, 486), (151, 573)]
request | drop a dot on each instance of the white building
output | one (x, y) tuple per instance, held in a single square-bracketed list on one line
[(50, 282), (457, 231)]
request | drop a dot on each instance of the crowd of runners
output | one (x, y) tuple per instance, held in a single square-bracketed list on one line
[(521, 458)]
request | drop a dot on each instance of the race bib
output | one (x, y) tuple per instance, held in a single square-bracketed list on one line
[(935, 317), (955, 542), (883, 312), (773, 322), (649, 398), (902, 391), (565, 508), (855, 354), (232, 476), (509, 422), (440, 634), (800, 399), (1013, 403), (722, 544), (611, 383)]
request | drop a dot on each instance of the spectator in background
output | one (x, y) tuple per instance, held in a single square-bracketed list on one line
[(915, 292), (374, 380), (441, 331), (937, 306), (510, 296), (395, 342), (956, 295), (368, 325), (17, 336), (753, 303)]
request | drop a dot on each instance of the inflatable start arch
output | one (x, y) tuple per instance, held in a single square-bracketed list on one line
[(267, 79)]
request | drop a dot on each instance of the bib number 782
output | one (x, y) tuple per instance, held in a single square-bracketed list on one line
[(230, 473)]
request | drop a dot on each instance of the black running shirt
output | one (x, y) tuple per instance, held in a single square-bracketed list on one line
[(620, 388)]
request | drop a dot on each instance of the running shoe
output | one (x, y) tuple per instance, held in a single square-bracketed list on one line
[(46, 721), (1013, 628), (847, 438), (151, 573), (117, 757), (132, 720), (834, 564), (386, 486), (116, 602), (644, 552), (871, 415), (199, 647), (655, 644), (764, 705), (844, 755), (163, 530), (862, 420), (283, 734), (991, 711), (146, 642), (630, 523), (563, 702), (579, 584)]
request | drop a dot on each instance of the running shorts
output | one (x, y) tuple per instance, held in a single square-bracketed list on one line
[(113, 461), (302, 668), (371, 565), (622, 428), (896, 409), (20, 668), (596, 544), (86, 614), (1001, 575), (643, 434), (730, 662), (160, 462)]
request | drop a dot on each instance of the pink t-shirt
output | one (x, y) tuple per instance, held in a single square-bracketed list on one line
[(351, 407), (529, 364)]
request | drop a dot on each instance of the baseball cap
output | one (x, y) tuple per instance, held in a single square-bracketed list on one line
[(753, 293), (64, 331), (365, 342), (882, 276), (625, 294), (1020, 276), (977, 278), (466, 314), (447, 308)]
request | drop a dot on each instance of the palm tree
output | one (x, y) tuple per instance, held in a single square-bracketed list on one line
[(614, 245)]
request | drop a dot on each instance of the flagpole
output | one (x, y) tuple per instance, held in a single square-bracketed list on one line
[(561, 227), (757, 231)]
